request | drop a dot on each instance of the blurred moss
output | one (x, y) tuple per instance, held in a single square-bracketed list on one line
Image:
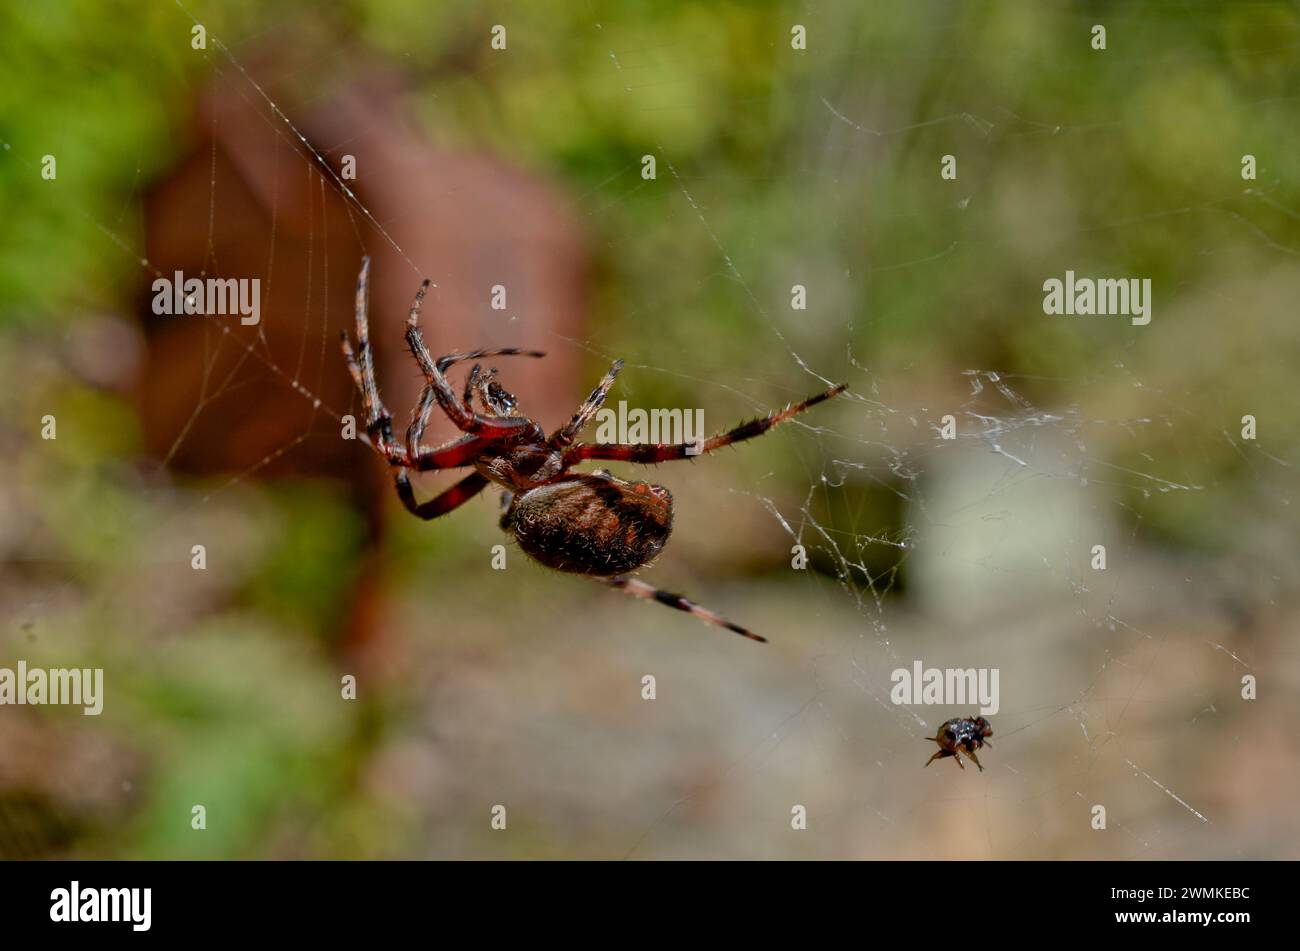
[(243, 722), (307, 573), (79, 81)]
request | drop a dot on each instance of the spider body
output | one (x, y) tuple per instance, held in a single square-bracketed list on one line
[(962, 736), (591, 524), (520, 468)]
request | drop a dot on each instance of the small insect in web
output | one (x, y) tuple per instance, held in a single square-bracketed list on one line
[(962, 736), (589, 523)]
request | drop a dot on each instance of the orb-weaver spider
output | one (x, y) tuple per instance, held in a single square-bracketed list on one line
[(591, 524)]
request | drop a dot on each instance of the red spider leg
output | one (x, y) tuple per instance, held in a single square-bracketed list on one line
[(451, 455), (378, 420), (458, 452), (488, 426), (420, 419), (639, 589), (457, 495), (565, 435), (379, 424), (659, 452)]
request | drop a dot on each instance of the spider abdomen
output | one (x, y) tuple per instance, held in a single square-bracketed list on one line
[(592, 524)]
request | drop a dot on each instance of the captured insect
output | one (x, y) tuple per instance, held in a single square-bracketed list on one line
[(587, 523), (962, 736)]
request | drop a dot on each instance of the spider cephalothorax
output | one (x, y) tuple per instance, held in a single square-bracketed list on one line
[(588, 523)]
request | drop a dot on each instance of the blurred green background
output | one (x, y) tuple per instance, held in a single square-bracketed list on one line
[(775, 167)]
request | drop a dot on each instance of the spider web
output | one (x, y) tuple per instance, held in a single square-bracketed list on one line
[(1119, 687)]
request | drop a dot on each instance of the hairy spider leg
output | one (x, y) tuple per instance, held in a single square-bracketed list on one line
[(491, 427), (428, 399), (379, 424), (639, 589), (419, 420), (975, 759), (443, 363), (465, 447), (665, 452), (450, 455), (565, 435), (938, 755)]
